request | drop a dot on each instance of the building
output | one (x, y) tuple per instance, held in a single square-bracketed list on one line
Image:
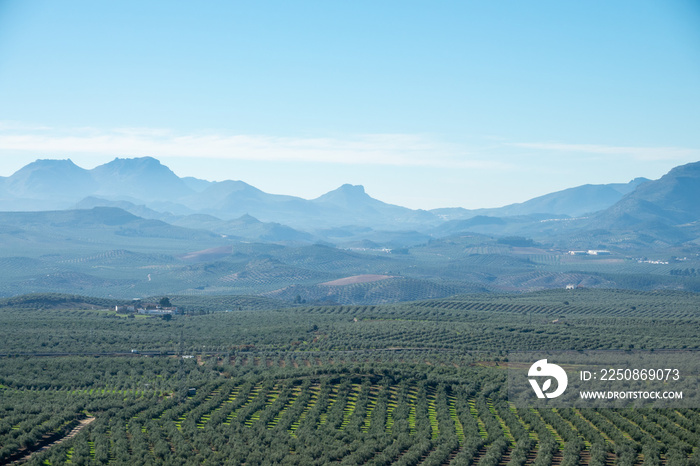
[(590, 252), (158, 311)]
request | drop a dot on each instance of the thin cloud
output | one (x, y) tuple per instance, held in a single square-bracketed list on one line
[(638, 153), (10, 125), (371, 149)]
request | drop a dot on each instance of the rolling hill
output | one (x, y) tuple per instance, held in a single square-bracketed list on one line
[(665, 210), (572, 202)]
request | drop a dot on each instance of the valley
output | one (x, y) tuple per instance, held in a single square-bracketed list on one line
[(334, 330)]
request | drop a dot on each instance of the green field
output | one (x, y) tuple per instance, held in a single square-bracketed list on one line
[(406, 384)]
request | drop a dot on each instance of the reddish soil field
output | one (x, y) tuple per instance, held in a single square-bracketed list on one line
[(208, 254), (357, 279)]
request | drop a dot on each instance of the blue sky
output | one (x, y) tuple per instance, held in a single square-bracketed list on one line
[(427, 104)]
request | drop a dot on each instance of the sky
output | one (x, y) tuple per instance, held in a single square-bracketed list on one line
[(426, 104)]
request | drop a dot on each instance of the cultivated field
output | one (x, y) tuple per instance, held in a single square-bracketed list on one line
[(413, 383)]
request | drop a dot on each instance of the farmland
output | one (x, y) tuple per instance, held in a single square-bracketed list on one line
[(111, 265), (412, 383)]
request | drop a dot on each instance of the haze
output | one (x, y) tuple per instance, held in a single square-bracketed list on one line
[(471, 104)]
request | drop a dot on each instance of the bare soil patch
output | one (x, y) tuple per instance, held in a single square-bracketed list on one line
[(208, 254), (357, 279)]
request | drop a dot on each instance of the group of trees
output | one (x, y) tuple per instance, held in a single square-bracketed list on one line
[(470, 323), (687, 272), (351, 417), (379, 385)]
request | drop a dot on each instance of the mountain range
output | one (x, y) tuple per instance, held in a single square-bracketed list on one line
[(664, 210), (133, 228), (572, 202)]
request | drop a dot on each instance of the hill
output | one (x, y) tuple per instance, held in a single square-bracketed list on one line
[(57, 301), (96, 229), (671, 200), (139, 178), (46, 184), (665, 210), (571, 202), (351, 201)]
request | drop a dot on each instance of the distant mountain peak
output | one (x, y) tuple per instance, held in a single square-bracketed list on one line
[(346, 192), (122, 177), (144, 159), (50, 164), (664, 204), (247, 218), (135, 163), (689, 169), (639, 179), (49, 179), (352, 189)]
